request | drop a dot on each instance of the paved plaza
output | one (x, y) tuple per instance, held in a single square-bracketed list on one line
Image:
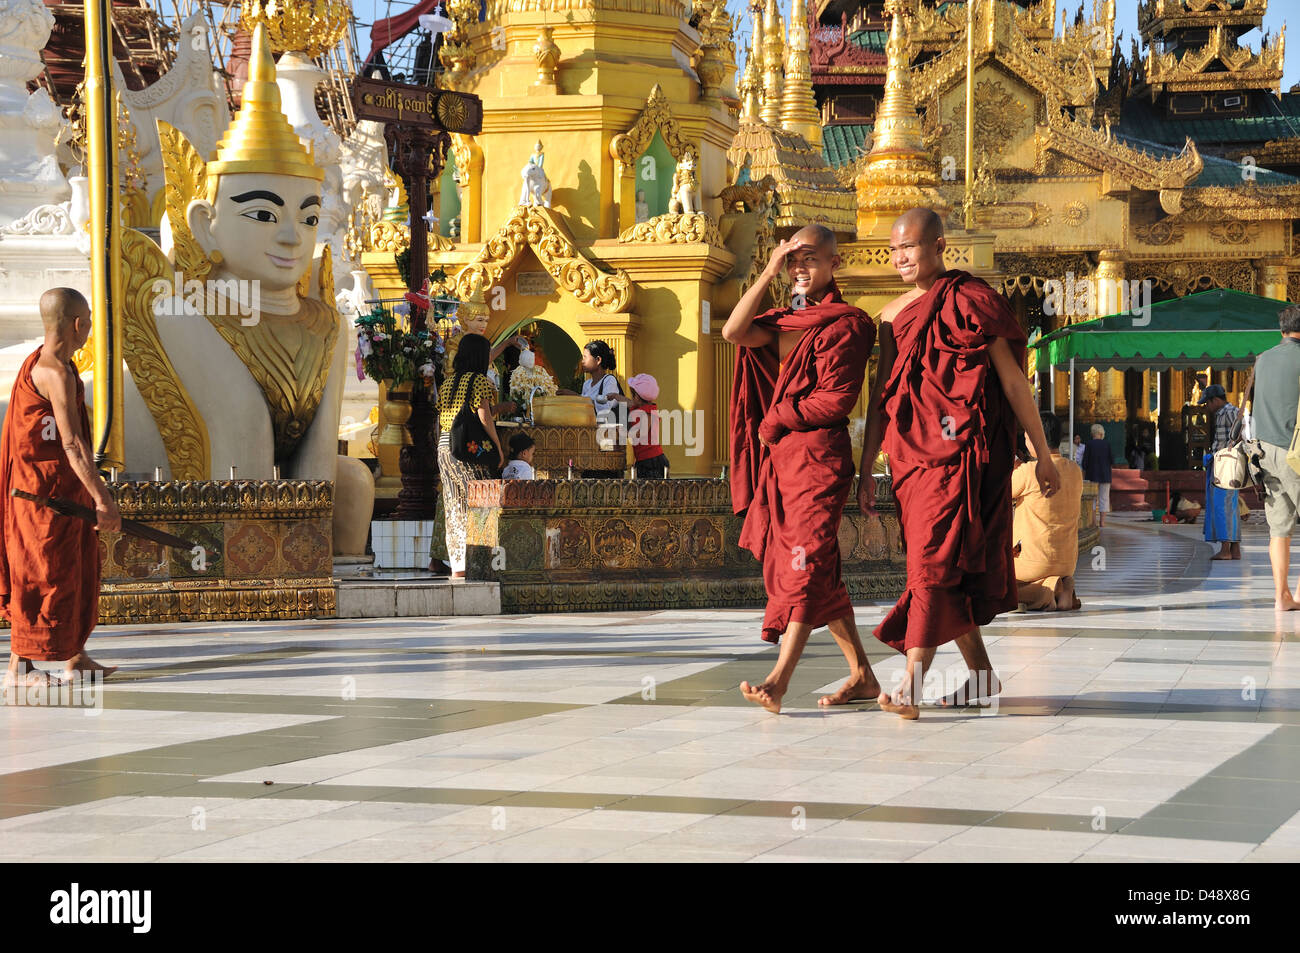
[(1161, 722)]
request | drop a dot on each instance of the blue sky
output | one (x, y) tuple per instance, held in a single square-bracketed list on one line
[(1125, 15)]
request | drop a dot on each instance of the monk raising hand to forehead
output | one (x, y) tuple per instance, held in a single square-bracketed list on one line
[(49, 564), (799, 371)]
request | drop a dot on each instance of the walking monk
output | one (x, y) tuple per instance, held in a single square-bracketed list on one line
[(49, 563), (799, 371), (946, 400)]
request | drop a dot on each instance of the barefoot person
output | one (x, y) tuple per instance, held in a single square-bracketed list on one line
[(799, 371), (49, 563), (945, 402)]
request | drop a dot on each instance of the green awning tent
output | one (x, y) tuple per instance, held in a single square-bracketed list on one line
[(1227, 329), (1220, 328)]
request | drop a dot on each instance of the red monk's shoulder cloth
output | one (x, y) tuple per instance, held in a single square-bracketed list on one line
[(49, 563), (950, 435), (793, 493)]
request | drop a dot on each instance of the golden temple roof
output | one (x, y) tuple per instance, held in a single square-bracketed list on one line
[(807, 188)]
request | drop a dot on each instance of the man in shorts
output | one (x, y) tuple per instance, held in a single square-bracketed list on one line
[(1277, 391)]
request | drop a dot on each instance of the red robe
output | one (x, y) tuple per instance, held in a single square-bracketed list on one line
[(793, 494), (49, 564), (950, 435)]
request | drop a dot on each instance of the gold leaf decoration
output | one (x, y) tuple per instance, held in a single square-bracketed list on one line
[(674, 229), (185, 176), (184, 434)]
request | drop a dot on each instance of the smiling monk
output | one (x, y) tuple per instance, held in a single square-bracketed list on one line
[(799, 371), (946, 399)]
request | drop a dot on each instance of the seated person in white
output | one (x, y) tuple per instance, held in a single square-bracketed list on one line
[(520, 466)]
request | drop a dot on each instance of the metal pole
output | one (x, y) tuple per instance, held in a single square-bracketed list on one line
[(970, 114), (1070, 392), (105, 229)]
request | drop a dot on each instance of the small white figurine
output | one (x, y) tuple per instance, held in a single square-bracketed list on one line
[(685, 196), (642, 207), (537, 187)]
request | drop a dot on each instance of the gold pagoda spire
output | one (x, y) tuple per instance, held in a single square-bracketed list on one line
[(898, 174), (798, 107), (773, 30), (751, 81)]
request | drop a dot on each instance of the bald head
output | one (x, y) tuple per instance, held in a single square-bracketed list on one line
[(819, 236), (61, 307), (926, 221)]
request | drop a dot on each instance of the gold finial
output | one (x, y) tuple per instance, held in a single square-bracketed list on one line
[(310, 27), (798, 107), (259, 138), (898, 174), (773, 56)]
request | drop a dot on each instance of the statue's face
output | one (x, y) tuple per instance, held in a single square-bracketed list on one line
[(263, 224), (475, 323)]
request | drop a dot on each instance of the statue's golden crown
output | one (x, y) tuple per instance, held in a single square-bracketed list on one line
[(259, 138)]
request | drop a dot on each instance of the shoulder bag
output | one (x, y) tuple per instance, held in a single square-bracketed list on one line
[(469, 439)]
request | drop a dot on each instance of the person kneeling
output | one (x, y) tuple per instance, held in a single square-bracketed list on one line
[(1046, 530)]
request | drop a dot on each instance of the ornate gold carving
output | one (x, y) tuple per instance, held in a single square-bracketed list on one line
[(1075, 213), (539, 229), (184, 434), (674, 229), (199, 500), (1026, 273), (1235, 233), (672, 8), (1257, 203), (185, 177), (389, 236), (1159, 233), (1012, 215), (1185, 277), (1164, 15), (313, 27), (1237, 66), (999, 117), (290, 359), (1099, 150), (752, 194), (627, 147)]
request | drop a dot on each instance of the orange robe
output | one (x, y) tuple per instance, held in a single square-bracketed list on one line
[(950, 435), (49, 563)]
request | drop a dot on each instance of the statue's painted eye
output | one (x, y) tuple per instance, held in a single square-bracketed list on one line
[(260, 215), (312, 220)]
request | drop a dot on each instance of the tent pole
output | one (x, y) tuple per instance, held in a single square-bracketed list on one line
[(1070, 392)]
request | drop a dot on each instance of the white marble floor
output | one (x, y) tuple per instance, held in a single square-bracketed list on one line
[(1161, 722)]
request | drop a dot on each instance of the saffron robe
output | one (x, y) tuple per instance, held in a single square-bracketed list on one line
[(793, 494), (950, 435), (49, 563)]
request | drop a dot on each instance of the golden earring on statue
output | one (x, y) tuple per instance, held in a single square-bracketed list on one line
[(216, 257)]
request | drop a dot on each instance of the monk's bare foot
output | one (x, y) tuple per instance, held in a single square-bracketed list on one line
[(900, 706), (84, 663), (857, 688), (977, 691), (33, 678), (764, 695)]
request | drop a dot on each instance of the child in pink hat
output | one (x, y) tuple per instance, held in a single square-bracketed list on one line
[(643, 428)]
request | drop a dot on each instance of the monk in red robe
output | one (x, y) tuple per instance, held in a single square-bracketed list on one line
[(946, 399), (49, 563), (799, 372)]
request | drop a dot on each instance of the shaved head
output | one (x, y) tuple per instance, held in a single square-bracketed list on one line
[(927, 220), (819, 236), (61, 307)]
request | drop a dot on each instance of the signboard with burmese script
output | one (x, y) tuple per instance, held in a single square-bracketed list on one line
[(434, 109)]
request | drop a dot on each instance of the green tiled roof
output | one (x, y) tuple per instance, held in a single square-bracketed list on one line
[(1281, 122), (871, 40), (842, 144), (1217, 171)]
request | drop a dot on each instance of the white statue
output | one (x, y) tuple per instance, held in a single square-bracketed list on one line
[(686, 197), (537, 187), (642, 207)]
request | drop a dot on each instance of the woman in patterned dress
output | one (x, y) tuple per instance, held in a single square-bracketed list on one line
[(467, 384)]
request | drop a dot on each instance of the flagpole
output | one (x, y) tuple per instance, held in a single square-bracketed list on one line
[(105, 242)]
